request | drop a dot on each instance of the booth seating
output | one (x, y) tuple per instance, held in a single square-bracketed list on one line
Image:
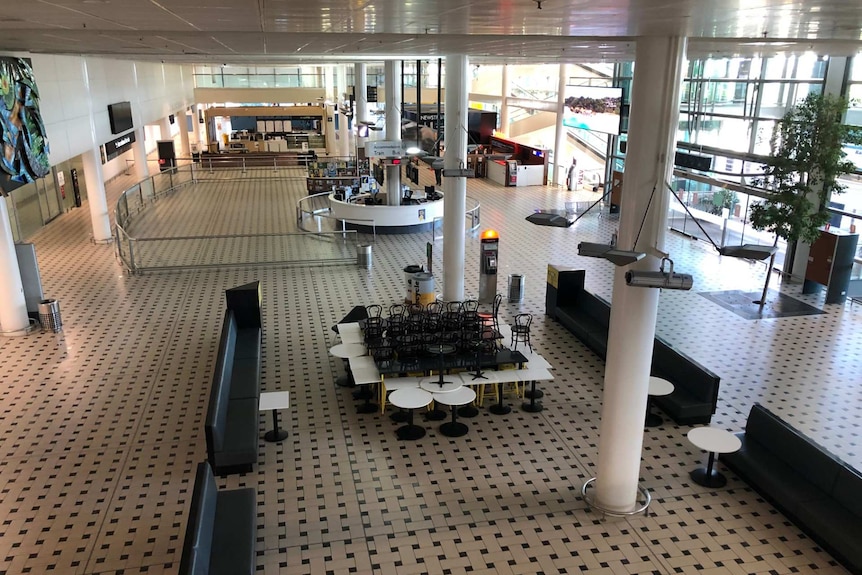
[(221, 530), (588, 317), (813, 488), (232, 416)]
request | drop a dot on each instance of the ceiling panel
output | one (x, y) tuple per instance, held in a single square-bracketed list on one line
[(492, 31)]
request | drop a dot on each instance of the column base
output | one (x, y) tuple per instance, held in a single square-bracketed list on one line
[(591, 502)]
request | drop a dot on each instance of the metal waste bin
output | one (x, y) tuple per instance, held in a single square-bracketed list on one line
[(363, 256), (49, 315), (516, 288)]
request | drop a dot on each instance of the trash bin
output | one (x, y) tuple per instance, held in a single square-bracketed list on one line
[(516, 288), (409, 272), (423, 288), (363, 256), (49, 315)]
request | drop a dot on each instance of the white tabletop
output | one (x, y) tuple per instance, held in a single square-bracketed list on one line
[(467, 377), (364, 370), (432, 384), (659, 386), (274, 400), (410, 398), (350, 332), (347, 350), (714, 439), (461, 396)]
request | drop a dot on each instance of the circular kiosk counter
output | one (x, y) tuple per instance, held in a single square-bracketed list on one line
[(404, 219)]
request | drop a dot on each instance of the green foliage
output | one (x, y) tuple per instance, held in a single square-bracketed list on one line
[(804, 168)]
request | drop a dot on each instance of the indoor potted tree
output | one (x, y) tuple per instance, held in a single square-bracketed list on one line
[(802, 172)]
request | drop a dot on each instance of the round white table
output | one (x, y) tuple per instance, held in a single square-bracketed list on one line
[(461, 396), (712, 440), (657, 387), (410, 398), (348, 350)]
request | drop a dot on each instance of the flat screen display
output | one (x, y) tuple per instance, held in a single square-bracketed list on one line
[(593, 108), (120, 115)]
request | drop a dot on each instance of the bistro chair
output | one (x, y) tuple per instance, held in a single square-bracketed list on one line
[(521, 331)]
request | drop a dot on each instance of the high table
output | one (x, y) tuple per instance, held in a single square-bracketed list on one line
[(345, 351), (364, 372), (657, 388), (274, 400), (410, 398), (713, 440), (460, 396)]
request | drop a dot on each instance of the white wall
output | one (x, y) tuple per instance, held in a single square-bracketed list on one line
[(75, 92)]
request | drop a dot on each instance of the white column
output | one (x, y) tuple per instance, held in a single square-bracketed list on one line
[(455, 189), (165, 129), (139, 151), (182, 120), (649, 161), (360, 76), (504, 105), (13, 307), (560, 133), (96, 196), (392, 71)]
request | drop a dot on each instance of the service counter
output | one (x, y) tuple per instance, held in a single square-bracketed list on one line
[(405, 219), (525, 175)]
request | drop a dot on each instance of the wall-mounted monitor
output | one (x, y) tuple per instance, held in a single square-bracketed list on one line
[(120, 115), (593, 108)]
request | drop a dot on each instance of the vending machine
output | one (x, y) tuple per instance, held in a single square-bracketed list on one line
[(488, 264)]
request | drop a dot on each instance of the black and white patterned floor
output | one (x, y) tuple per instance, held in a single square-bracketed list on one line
[(102, 424)]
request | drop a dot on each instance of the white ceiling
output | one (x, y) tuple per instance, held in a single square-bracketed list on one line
[(488, 31)]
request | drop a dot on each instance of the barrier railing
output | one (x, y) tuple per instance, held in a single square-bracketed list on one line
[(473, 216), (317, 209), (140, 254)]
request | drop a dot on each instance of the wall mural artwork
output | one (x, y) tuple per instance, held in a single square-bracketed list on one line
[(25, 145)]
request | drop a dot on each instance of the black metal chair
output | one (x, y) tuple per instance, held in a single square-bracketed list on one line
[(491, 319), (521, 331)]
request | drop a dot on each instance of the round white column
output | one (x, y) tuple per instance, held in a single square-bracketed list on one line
[(392, 71), (360, 75), (559, 131), (649, 161), (96, 196), (504, 105), (455, 189), (165, 129), (183, 120), (139, 151), (13, 306)]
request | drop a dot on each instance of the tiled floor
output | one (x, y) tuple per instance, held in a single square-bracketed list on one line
[(102, 425)]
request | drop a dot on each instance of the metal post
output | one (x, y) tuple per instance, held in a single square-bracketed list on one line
[(211, 164), (275, 163), (243, 164)]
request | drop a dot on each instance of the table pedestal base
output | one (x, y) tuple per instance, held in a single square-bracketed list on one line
[(468, 411), (500, 409), (534, 394), (653, 420), (362, 393), (399, 417), (708, 478), (367, 407), (435, 414), (453, 429), (410, 432), (532, 406), (275, 435), (344, 381)]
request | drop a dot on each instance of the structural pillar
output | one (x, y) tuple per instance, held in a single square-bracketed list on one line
[(649, 162), (165, 129), (360, 80), (560, 132), (96, 196), (455, 189), (13, 306), (504, 105), (139, 151), (392, 72), (183, 120)]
